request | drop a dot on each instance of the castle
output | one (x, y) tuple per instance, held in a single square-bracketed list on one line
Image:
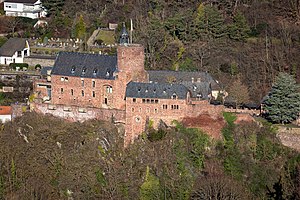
[(83, 86)]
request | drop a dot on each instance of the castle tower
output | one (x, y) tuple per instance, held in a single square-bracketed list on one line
[(130, 65)]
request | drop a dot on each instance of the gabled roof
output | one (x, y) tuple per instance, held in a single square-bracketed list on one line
[(181, 77), (85, 65), (21, 1), (12, 45), (155, 90), (5, 110)]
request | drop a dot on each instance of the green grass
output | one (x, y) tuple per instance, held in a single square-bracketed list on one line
[(229, 117), (108, 37)]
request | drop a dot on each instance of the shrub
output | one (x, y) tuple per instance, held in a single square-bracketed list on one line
[(20, 65)]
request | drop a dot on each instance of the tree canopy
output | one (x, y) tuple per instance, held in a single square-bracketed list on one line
[(282, 104)]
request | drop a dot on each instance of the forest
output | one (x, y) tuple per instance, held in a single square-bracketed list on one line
[(43, 157)]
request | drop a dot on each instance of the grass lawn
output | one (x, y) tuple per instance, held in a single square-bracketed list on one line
[(108, 37)]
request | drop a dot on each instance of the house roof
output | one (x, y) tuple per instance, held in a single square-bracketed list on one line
[(5, 110), (44, 70), (12, 45), (155, 90), (21, 1), (85, 65), (198, 89), (181, 77)]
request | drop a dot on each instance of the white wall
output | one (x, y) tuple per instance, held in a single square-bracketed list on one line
[(18, 9), (5, 118)]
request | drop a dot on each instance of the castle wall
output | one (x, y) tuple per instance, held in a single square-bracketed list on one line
[(167, 110), (75, 113), (79, 91), (138, 112)]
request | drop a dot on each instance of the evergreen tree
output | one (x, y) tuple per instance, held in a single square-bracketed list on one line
[(282, 104), (80, 28), (210, 22), (239, 30), (53, 6)]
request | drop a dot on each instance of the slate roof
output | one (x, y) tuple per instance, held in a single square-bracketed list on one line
[(181, 77), (155, 90), (44, 70), (85, 65), (12, 45), (198, 90), (22, 1)]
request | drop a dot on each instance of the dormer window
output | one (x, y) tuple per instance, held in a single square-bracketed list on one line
[(154, 90), (139, 89), (83, 71), (73, 69), (107, 74), (146, 90), (174, 96), (95, 72)]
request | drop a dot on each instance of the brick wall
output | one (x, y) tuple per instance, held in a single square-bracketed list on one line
[(79, 91), (138, 112)]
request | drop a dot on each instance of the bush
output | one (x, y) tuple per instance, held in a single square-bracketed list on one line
[(38, 66), (20, 65)]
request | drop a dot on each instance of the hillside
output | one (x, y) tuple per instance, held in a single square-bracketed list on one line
[(43, 157), (250, 39)]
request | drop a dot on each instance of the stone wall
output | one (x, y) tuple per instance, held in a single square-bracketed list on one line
[(75, 113), (43, 61)]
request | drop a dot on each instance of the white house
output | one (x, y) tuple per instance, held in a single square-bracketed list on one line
[(14, 51), (5, 113), (24, 8)]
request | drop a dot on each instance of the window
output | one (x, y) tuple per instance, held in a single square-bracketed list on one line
[(138, 119), (156, 100), (174, 96), (105, 101), (82, 83), (108, 89), (93, 83), (148, 100), (82, 93), (95, 72), (62, 79), (132, 109), (94, 94), (144, 100), (73, 70), (19, 53), (165, 107), (66, 79), (83, 71), (61, 90), (134, 100), (155, 110), (152, 100), (72, 92), (174, 107)]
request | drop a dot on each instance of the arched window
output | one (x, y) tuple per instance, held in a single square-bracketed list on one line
[(73, 69)]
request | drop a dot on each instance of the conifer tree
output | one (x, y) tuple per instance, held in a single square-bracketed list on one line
[(210, 22), (282, 105), (239, 30)]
